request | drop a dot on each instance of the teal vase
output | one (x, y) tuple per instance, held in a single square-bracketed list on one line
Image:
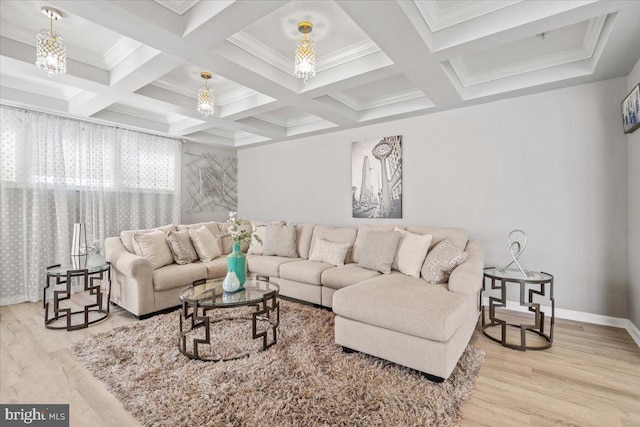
[(237, 262)]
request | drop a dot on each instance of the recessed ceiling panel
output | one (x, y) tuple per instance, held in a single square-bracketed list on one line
[(287, 117), (390, 90), (560, 46), (441, 14)]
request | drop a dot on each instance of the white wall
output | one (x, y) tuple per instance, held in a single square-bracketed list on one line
[(187, 217), (553, 164), (634, 211)]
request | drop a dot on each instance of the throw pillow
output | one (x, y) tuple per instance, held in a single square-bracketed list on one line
[(280, 240), (440, 262), (205, 243), (181, 247), (379, 250), (329, 252), (412, 250), (126, 236), (256, 247), (153, 246)]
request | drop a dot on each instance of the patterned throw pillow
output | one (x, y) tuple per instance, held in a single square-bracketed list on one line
[(379, 250), (256, 247), (205, 243), (181, 247), (411, 252), (441, 261), (280, 240), (329, 252), (153, 246)]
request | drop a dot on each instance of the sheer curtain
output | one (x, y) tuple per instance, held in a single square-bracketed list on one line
[(56, 171)]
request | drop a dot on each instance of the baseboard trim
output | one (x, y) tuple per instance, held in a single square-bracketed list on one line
[(581, 316)]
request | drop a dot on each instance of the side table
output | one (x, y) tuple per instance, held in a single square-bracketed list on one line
[(499, 279), (59, 283)]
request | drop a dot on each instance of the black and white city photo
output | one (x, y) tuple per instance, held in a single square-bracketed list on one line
[(376, 178)]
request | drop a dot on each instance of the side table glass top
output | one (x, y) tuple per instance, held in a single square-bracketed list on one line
[(61, 270), (515, 275), (211, 294)]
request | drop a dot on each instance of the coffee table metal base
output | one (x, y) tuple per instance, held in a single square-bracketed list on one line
[(195, 316)]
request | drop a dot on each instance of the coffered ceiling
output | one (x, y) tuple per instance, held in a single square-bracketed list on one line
[(137, 63)]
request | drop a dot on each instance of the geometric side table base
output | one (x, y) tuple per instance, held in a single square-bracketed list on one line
[(98, 308), (499, 279)]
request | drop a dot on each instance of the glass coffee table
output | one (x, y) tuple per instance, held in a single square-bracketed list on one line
[(206, 306)]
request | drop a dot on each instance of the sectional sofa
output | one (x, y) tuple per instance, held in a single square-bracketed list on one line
[(398, 317)]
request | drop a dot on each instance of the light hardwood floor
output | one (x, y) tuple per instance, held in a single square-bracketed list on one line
[(590, 377)]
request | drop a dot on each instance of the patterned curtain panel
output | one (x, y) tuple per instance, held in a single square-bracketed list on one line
[(56, 171)]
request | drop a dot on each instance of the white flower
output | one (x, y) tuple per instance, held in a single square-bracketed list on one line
[(232, 214)]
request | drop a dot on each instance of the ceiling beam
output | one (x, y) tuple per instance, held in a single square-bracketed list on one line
[(391, 29)]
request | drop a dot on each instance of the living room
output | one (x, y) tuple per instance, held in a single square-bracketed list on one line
[(510, 116)]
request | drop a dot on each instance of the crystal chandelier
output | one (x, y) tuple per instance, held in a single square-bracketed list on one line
[(205, 96), (305, 62), (51, 55)]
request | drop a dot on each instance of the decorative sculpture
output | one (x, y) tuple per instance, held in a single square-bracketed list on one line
[(516, 248)]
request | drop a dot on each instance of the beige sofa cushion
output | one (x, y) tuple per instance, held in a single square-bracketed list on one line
[(304, 233), (379, 250), (267, 265), (181, 247), (304, 271), (458, 236), (217, 268), (329, 252), (346, 275), (363, 230), (175, 275), (153, 246), (404, 304), (280, 240), (126, 236), (206, 244), (441, 261), (412, 250), (333, 234)]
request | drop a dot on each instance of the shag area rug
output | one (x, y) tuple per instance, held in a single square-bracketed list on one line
[(303, 380)]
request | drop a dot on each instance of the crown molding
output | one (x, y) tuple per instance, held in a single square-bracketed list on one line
[(25, 36), (381, 101), (438, 19), (347, 54), (261, 51), (174, 86), (119, 51), (584, 51), (178, 6), (288, 123), (236, 95)]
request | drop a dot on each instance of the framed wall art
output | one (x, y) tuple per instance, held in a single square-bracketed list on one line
[(631, 110), (376, 178)]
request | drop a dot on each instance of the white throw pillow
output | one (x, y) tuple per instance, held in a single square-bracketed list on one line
[(412, 250), (154, 247), (206, 244), (329, 252), (280, 240)]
